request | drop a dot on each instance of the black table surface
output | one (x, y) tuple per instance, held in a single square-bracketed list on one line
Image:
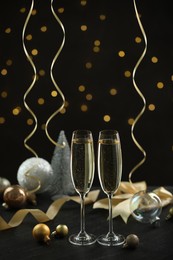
[(18, 242)]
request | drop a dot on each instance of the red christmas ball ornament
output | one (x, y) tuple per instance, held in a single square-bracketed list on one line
[(14, 197)]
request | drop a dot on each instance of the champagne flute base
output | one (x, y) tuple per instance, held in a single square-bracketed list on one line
[(82, 239), (113, 240)]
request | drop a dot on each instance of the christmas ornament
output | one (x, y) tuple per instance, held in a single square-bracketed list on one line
[(41, 233), (61, 180), (146, 207), (4, 183), (61, 231), (170, 214), (35, 172), (132, 241), (16, 196)]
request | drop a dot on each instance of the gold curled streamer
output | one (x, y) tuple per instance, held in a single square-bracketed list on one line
[(140, 94), (32, 83), (27, 174), (50, 214), (54, 82)]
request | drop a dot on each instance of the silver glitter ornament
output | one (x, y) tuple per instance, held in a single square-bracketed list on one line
[(62, 184), (34, 171)]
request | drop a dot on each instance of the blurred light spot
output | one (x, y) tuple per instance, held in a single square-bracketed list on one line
[(81, 88), (4, 72), (138, 39), (97, 43), (66, 103), (4, 94), (16, 111), (43, 28), (8, 30), (102, 17), (83, 2), (9, 62), (160, 85), (130, 121), (154, 59), (113, 91), (121, 54), (63, 111), (84, 108), (34, 12), (88, 65), (29, 37), (34, 52), (30, 121), (127, 73), (89, 97), (23, 10), (41, 72), (2, 120), (106, 118), (96, 49), (54, 93), (60, 10), (41, 101), (83, 28), (43, 126), (151, 107)]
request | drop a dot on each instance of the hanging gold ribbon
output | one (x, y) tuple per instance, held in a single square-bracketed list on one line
[(50, 214), (140, 94), (32, 83), (54, 82)]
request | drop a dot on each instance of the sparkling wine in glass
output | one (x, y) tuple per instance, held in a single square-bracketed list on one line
[(82, 173), (110, 171)]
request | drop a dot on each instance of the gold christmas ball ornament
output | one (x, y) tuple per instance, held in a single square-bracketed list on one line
[(14, 196), (41, 233), (61, 231), (170, 214), (132, 241), (4, 183)]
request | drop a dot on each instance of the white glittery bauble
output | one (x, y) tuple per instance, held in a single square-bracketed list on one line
[(38, 168)]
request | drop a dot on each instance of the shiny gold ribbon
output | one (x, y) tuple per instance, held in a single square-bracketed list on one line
[(140, 94), (32, 83), (54, 82), (50, 214)]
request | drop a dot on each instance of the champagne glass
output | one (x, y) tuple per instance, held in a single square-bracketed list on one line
[(109, 171), (82, 173)]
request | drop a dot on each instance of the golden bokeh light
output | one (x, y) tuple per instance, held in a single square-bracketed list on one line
[(83, 2), (97, 43), (160, 85), (41, 101), (34, 12), (127, 74), (30, 121), (96, 49), (54, 93), (113, 91), (83, 28), (88, 65), (154, 59), (63, 111), (43, 28), (8, 30), (4, 72), (89, 97), (81, 88), (4, 94), (9, 62), (61, 10), (84, 108), (42, 72), (106, 118), (102, 17), (130, 121), (34, 52), (29, 37), (121, 54), (2, 120), (151, 107), (138, 39), (16, 111), (23, 10)]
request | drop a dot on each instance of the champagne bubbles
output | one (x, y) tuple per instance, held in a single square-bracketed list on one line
[(146, 207)]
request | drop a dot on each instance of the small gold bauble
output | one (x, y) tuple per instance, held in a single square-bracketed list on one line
[(41, 233), (14, 196), (61, 231), (132, 241)]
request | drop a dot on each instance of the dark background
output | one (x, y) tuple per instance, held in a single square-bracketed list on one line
[(117, 32)]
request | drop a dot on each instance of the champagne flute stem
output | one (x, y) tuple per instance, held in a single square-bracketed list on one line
[(110, 215), (82, 214)]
